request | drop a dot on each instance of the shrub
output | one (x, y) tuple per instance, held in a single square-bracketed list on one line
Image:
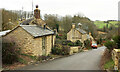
[(62, 36), (70, 44), (110, 45), (57, 49), (78, 43), (99, 41), (60, 49), (58, 41), (10, 52), (87, 43), (58, 37), (65, 50), (117, 41), (22, 61), (65, 42)]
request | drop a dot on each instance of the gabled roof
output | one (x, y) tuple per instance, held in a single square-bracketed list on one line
[(81, 30), (88, 36), (37, 31), (27, 21), (33, 21)]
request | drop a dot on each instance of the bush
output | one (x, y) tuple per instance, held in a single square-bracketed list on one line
[(70, 44), (22, 61), (87, 43), (99, 41), (60, 49), (10, 52), (58, 37), (65, 50), (62, 36), (110, 45), (117, 41), (78, 43), (58, 41), (57, 49), (65, 42)]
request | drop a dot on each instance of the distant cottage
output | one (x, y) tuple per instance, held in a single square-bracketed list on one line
[(77, 34), (33, 36)]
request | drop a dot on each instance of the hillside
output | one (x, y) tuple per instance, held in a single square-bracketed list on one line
[(101, 24)]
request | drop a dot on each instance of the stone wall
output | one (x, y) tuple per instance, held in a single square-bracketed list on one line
[(84, 37), (48, 44), (28, 43), (116, 58), (54, 39), (74, 49)]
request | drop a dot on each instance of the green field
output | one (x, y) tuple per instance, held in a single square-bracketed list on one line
[(101, 24)]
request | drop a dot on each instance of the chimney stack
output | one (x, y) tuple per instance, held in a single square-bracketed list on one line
[(89, 33), (37, 13), (73, 25)]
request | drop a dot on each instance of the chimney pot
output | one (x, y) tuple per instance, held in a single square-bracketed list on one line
[(79, 24), (36, 6)]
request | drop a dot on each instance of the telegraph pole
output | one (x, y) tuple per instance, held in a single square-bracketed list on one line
[(32, 8), (119, 18), (119, 28), (22, 13)]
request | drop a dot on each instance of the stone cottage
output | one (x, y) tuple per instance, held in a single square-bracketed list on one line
[(33, 36), (32, 39), (77, 34)]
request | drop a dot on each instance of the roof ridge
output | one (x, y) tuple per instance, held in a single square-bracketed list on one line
[(28, 25), (81, 30), (36, 31)]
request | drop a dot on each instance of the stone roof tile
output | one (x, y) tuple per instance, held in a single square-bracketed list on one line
[(37, 31), (81, 30)]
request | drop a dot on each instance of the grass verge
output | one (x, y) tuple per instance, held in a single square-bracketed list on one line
[(109, 64), (22, 61), (32, 57)]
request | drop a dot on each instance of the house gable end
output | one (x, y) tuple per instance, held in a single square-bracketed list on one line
[(17, 27)]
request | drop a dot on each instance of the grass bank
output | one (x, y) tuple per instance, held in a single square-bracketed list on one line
[(106, 61)]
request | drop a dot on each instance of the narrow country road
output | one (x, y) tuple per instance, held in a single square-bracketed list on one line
[(88, 60)]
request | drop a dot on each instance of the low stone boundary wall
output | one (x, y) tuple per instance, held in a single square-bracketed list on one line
[(116, 58), (74, 49)]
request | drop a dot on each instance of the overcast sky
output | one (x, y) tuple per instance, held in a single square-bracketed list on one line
[(93, 9)]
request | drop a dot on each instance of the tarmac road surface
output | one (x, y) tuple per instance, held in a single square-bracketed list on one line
[(88, 60)]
